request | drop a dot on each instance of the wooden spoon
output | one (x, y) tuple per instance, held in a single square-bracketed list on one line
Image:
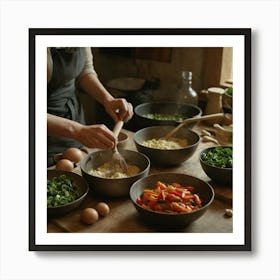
[(190, 120)]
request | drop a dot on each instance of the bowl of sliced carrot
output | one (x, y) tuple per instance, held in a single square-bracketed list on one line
[(170, 199)]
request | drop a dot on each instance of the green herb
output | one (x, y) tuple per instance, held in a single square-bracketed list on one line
[(60, 191), (192, 202), (219, 157), (229, 91), (165, 117)]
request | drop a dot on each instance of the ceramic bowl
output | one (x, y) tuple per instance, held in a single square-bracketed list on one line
[(166, 157), (77, 180), (171, 220), (165, 108), (117, 187), (122, 140), (220, 175)]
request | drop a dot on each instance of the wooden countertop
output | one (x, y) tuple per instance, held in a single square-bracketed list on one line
[(123, 216)]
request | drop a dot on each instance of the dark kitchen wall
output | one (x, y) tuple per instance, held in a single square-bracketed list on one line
[(164, 64)]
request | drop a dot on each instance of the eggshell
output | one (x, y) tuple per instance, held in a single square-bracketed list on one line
[(89, 216), (103, 209)]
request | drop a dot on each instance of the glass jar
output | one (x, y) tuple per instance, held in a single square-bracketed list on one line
[(186, 93), (214, 103)]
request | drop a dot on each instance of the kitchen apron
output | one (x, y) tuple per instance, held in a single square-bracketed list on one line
[(63, 100)]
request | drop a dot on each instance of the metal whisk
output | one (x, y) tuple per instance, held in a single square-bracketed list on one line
[(117, 159)]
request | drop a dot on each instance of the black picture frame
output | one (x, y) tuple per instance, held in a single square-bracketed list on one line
[(245, 33)]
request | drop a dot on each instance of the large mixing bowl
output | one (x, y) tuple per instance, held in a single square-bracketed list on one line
[(146, 114), (166, 157), (116, 187), (165, 219)]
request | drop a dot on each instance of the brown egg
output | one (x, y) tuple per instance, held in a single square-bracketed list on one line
[(103, 209), (89, 216), (73, 154), (64, 164)]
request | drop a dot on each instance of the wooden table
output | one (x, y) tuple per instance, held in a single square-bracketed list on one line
[(124, 217)]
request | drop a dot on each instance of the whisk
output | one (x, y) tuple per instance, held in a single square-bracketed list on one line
[(117, 159)]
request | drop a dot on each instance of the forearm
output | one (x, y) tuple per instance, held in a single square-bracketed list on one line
[(62, 127), (117, 108), (91, 136), (94, 88)]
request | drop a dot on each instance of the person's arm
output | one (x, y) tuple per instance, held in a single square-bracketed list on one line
[(117, 108), (92, 136), (93, 87)]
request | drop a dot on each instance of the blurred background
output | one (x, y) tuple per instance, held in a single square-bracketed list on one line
[(155, 75)]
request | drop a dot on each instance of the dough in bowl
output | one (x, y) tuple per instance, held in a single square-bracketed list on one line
[(166, 144), (104, 171)]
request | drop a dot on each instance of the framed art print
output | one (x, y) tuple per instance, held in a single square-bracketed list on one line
[(173, 201)]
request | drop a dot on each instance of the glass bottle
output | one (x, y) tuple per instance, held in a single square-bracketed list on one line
[(186, 93)]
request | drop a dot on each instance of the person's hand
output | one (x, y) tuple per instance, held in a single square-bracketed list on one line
[(96, 136), (119, 109)]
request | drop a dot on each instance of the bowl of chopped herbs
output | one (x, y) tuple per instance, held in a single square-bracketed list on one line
[(165, 113), (217, 163), (65, 192)]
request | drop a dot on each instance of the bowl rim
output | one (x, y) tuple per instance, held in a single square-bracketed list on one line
[(166, 103), (77, 199), (173, 214), (166, 150), (125, 135), (210, 165), (147, 168), (228, 94)]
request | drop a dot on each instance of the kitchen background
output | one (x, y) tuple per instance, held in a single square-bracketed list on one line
[(161, 69)]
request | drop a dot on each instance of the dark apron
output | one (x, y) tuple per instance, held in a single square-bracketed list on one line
[(62, 99)]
